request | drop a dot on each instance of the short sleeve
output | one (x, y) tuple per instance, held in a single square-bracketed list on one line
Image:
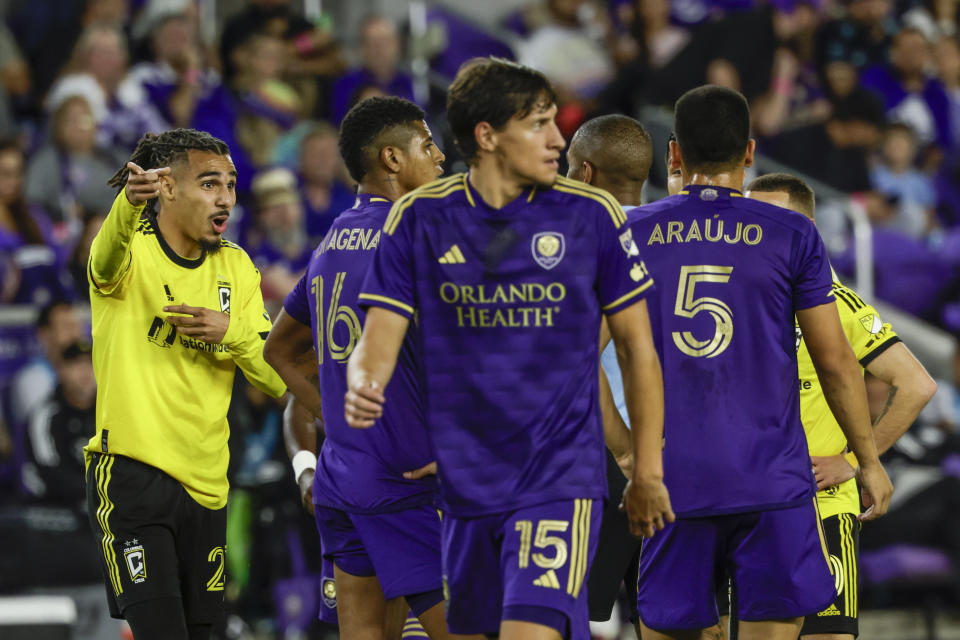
[(622, 276), (390, 279), (812, 278), (868, 334), (296, 304)]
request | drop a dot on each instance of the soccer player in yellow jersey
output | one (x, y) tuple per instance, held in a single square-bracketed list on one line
[(882, 353), (176, 309)]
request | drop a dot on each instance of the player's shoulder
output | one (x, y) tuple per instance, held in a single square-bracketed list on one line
[(233, 256), (585, 198), (787, 218), (422, 197), (849, 303)]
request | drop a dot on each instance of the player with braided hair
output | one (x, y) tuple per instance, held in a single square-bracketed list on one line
[(176, 309)]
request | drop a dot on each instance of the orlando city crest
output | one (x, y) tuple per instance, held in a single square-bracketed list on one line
[(548, 248), (329, 593)]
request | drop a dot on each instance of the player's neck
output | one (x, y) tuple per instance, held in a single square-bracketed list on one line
[(383, 185), (182, 245), (497, 189), (727, 179)]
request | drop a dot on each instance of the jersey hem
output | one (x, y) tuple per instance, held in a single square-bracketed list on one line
[(501, 508), (772, 506), (402, 504)]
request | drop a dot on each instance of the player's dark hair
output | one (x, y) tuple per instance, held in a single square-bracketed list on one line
[(155, 151), (25, 223), (45, 314), (493, 90), (712, 124), (802, 197), (616, 145), (372, 124)]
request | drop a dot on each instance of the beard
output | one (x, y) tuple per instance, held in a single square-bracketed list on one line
[(210, 246)]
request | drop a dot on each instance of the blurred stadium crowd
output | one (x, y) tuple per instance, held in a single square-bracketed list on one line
[(861, 95)]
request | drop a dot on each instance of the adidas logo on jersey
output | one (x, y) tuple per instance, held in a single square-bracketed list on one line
[(452, 256), (831, 611), (549, 580)]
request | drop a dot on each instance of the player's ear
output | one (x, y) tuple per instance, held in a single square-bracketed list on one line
[(587, 172), (391, 158), (751, 148), (486, 136), (168, 187), (676, 158)]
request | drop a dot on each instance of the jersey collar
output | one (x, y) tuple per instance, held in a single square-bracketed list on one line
[(710, 193), (175, 257), (364, 199), (477, 201)]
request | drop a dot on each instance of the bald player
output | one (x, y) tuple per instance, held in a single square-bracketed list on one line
[(882, 353), (613, 152)]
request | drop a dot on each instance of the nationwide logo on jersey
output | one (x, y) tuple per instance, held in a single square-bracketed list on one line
[(872, 323), (136, 560), (329, 593), (629, 246), (548, 248)]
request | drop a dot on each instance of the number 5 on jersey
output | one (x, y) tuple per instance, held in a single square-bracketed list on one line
[(335, 313), (687, 306)]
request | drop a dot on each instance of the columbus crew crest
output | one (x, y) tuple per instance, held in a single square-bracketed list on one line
[(136, 560), (548, 248)]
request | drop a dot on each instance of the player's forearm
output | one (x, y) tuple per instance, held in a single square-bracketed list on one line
[(843, 388), (299, 428), (370, 363), (615, 431), (643, 388), (902, 407), (110, 247)]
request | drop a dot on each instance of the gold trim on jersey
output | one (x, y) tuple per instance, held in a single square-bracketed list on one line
[(102, 478), (437, 189), (579, 545), (637, 291), (390, 301), (566, 185)]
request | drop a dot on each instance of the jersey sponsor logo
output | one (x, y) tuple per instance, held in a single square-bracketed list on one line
[(452, 256), (223, 293), (712, 230), (200, 345), (162, 333), (328, 591), (638, 271), (136, 559), (548, 248), (629, 246), (488, 306)]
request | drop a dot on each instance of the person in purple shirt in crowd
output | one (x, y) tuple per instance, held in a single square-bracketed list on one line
[(380, 51), (909, 94), (732, 273), (379, 528), (322, 191), (505, 273)]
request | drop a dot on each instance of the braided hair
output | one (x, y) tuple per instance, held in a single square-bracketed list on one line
[(155, 151)]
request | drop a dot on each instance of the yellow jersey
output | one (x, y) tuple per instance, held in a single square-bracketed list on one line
[(162, 398), (869, 336)]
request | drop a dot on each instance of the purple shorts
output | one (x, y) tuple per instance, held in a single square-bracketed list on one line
[(529, 564), (777, 560), (401, 548)]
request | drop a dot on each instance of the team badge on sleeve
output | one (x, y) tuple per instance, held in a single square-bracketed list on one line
[(872, 323), (548, 248)]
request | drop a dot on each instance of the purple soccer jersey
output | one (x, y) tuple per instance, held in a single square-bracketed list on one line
[(359, 470), (508, 305), (731, 272)]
